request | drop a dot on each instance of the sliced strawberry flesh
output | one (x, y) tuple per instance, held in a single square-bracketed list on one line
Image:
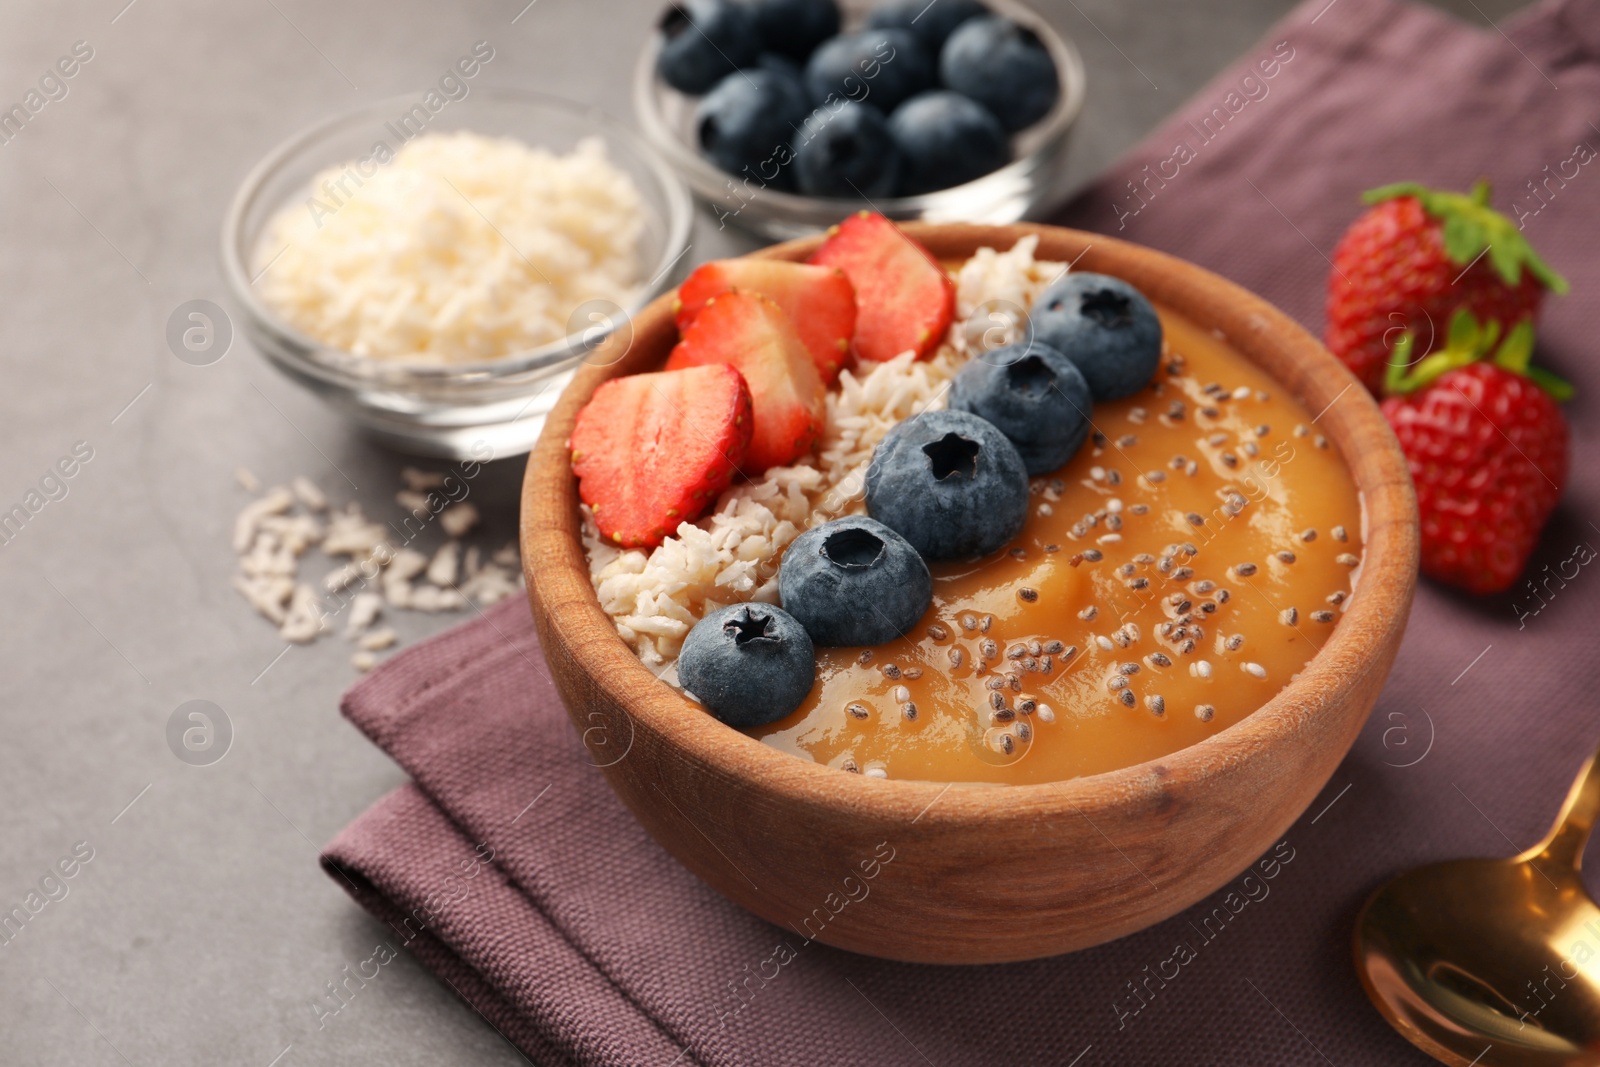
[(652, 451), (820, 301), (752, 333), (904, 298)]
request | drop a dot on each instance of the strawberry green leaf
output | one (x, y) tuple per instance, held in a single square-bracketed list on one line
[(1558, 388), (1516, 352), (1471, 228), (1468, 341)]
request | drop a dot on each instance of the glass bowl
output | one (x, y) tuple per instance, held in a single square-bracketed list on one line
[(1027, 187), (457, 410)]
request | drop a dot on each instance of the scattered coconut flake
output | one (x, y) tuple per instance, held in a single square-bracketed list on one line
[(273, 532), (308, 493), (379, 639), (445, 564), (364, 611), (457, 519), (276, 502), (420, 480)]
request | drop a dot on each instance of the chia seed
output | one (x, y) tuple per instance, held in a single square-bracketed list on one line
[(1308, 535), (1289, 616), (1128, 699), (1322, 616), (989, 649), (1244, 570), (1347, 559), (937, 632), (1339, 534), (890, 671), (1204, 712), (1254, 670), (1286, 556), (1156, 704), (1028, 595), (865, 657), (857, 711)]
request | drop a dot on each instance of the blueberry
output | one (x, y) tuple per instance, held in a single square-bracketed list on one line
[(945, 139), (782, 65), (795, 27), (1105, 326), (846, 152), (881, 67), (934, 22), (745, 123), (703, 41), (950, 483), (854, 581), (1034, 395), (1004, 67), (749, 664)]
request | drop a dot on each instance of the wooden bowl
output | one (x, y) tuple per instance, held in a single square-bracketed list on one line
[(970, 874)]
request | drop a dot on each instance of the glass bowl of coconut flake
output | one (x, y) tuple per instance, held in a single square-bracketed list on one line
[(435, 267)]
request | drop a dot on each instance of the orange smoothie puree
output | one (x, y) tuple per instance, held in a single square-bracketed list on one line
[(1172, 578)]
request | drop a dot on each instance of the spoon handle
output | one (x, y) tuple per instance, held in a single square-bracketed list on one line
[(1563, 845)]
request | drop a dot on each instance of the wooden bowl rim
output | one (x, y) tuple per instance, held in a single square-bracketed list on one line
[(1377, 611)]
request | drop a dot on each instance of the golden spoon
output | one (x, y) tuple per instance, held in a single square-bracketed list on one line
[(1493, 963)]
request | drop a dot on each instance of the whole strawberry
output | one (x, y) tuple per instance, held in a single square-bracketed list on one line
[(1413, 259), (1488, 450)]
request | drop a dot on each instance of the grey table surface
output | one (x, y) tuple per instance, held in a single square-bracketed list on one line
[(201, 930)]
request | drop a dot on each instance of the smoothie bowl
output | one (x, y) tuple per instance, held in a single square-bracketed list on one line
[(927, 667)]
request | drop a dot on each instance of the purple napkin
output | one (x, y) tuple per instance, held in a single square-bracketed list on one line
[(512, 872)]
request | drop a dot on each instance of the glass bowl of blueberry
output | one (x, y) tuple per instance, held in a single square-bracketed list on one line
[(783, 116)]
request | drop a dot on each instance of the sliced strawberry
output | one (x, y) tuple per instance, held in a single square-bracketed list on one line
[(904, 299), (820, 301), (654, 450), (753, 334)]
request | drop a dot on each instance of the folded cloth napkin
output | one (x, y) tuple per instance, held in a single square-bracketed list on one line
[(512, 872)]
